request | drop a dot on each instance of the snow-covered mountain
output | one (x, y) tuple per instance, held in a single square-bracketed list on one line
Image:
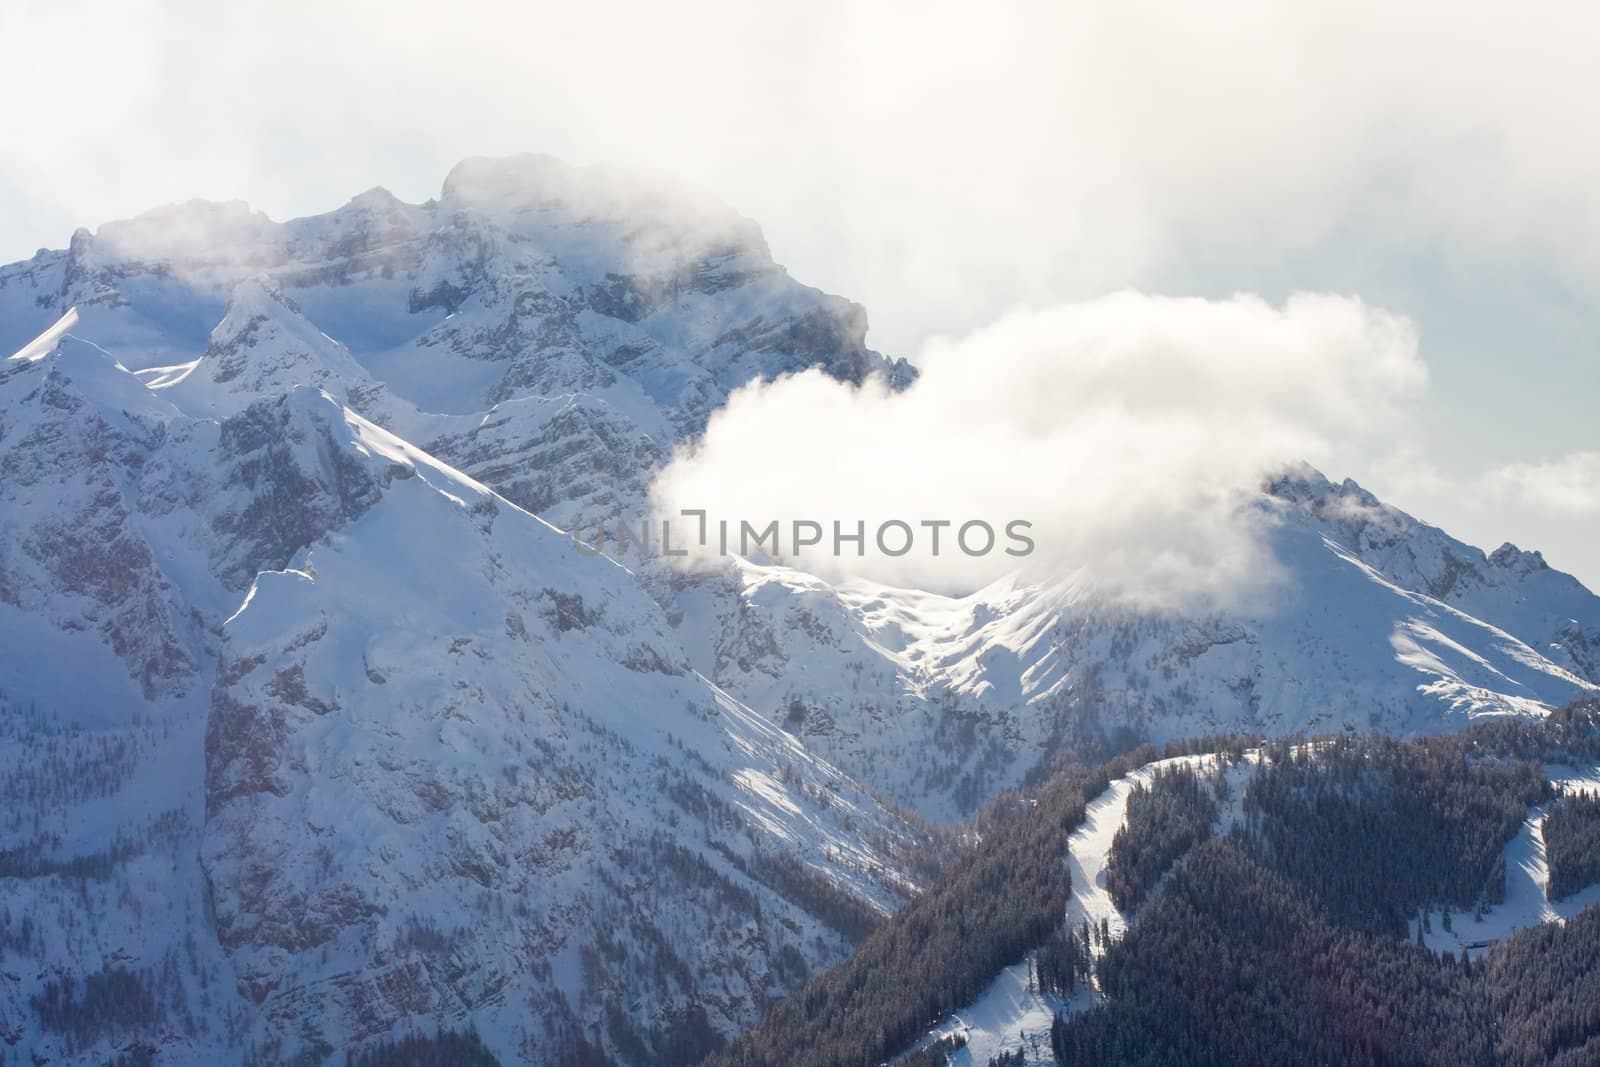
[(549, 328), (1386, 623), (310, 737), (317, 727)]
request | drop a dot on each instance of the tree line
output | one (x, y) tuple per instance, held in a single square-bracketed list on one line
[(995, 903), (1164, 820), (1572, 844)]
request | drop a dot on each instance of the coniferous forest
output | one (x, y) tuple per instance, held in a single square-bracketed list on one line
[(447, 1048), (1375, 829), (1282, 939), (1286, 940), (940, 950), (1572, 844), (1165, 819), (1233, 964)]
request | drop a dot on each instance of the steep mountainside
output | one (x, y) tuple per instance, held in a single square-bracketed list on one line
[(310, 738), (316, 728), (554, 332), (1384, 623), (627, 306)]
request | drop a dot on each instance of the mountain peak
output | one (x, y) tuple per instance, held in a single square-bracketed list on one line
[(375, 198), (526, 170), (301, 566), (536, 187), (1513, 558), (191, 231)]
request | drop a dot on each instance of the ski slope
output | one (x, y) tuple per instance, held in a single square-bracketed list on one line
[(1527, 901), (1013, 1014)]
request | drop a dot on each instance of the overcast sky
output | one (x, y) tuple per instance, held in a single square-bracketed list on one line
[(946, 164)]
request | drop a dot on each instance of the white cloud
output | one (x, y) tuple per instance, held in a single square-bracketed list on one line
[(1125, 429), (935, 161), (1567, 486), (1403, 470)]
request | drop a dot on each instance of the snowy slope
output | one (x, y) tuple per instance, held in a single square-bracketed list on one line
[(983, 686), (273, 594), (1527, 901), (435, 763), (480, 731), (263, 347), (1013, 1015)]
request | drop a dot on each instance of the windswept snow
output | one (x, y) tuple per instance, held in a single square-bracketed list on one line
[(46, 342)]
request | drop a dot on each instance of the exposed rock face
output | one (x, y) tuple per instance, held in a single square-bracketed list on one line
[(526, 279), (71, 548), (472, 733), (287, 465)]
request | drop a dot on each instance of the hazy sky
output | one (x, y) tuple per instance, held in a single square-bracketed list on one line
[(946, 164)]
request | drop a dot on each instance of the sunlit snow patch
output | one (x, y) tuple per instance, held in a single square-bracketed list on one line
[(46, 342)]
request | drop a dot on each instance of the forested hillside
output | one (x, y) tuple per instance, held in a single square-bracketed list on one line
[(1286, 941), (1375, 829), (1572, 844), (1272, 926), (993, 905), (1231, 963), (938, 952), (1165, 819)]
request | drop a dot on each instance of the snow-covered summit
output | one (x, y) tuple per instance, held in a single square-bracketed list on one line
[(526, 279), (529, 193)]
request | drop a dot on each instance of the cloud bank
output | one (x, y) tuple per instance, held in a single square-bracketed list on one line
[(1567, 486), (1127, 430), (937, 162)]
